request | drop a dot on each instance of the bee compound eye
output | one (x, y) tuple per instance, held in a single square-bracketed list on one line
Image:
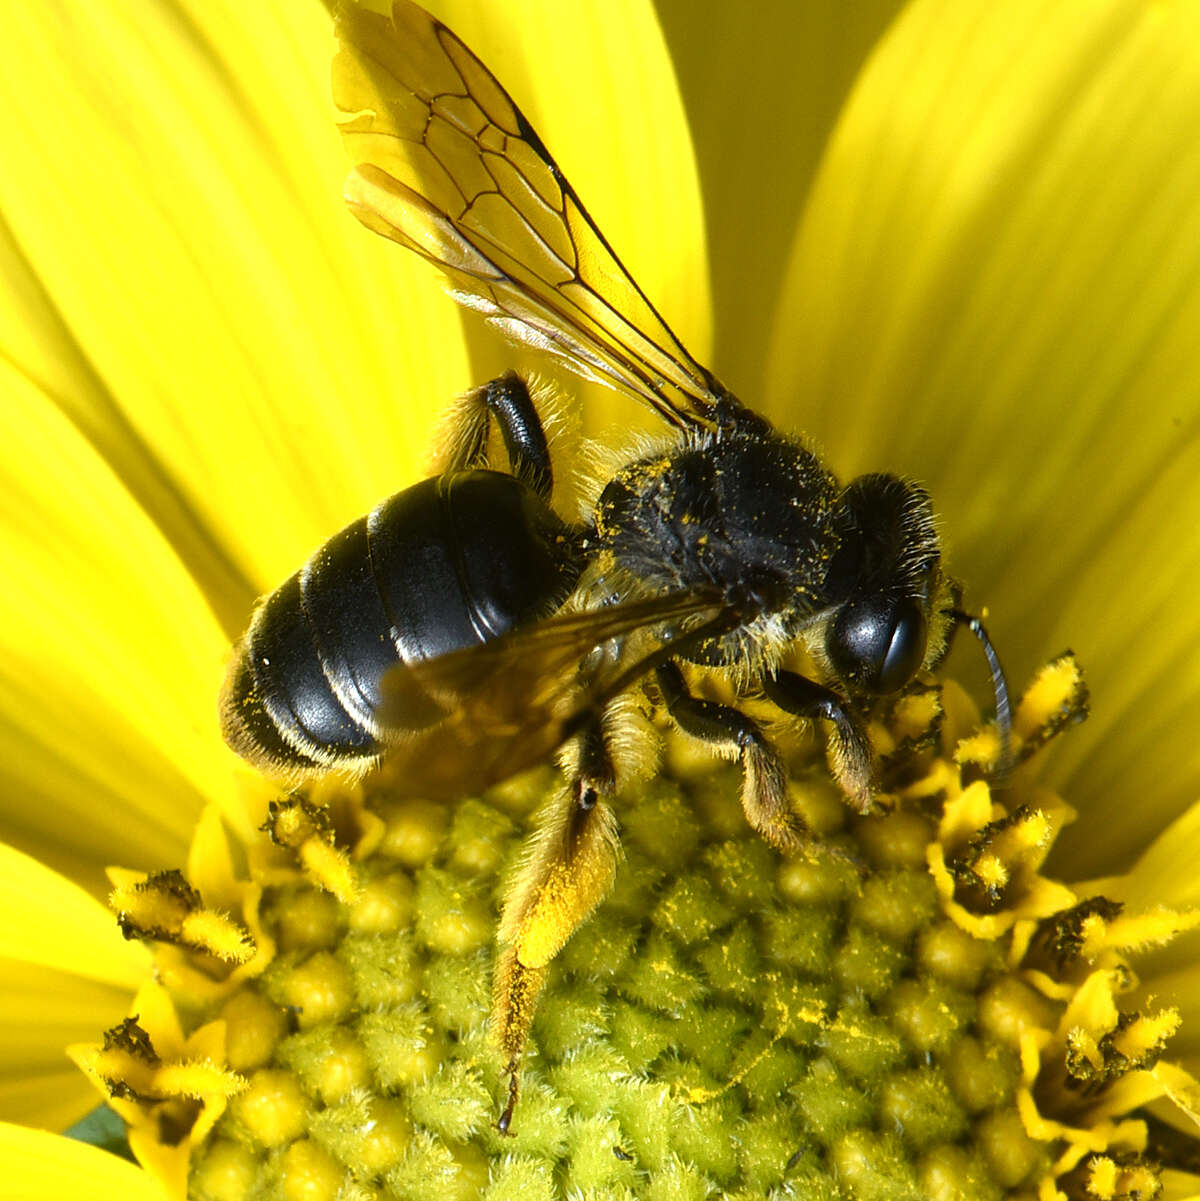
[(877, 643)]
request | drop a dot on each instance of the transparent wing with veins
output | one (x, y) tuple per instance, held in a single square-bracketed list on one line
[(448, 166), (463, 721)]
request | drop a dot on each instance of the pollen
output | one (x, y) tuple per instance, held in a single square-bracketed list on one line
[(165, 908), (902, 1006), (304, 827)]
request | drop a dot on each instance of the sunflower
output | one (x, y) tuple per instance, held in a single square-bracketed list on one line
[(959, 241)]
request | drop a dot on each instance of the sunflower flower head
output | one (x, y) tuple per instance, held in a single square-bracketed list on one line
[(991, 286), (908, 1008)]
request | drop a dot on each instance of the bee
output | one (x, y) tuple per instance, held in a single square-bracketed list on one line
[(465, 630)]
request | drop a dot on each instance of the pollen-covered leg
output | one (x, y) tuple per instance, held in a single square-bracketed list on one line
[(514, 1002), (463, 438), (764, 780), (853, 761), (570, 866)]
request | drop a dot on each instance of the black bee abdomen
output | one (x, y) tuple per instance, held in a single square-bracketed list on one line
[(247, 724), (462, 558), (350, 625), (416, 551), (451, 562), (294, 680)]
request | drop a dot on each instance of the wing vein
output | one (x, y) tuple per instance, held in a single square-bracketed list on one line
[(498, 215)]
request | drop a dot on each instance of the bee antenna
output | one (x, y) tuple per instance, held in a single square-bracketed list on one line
[(999, 687)]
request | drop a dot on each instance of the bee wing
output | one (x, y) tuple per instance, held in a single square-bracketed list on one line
[(461, 722), (448, 166)]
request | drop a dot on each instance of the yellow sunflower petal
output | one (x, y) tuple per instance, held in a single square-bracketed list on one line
[(177, 194), (1180, 1186), (39, 1166), (43, 1012), (1165, 874), (110, 662), (997, 288), (49, 922), (38, 345), (1162, 882), (763, 87), (64, 965)]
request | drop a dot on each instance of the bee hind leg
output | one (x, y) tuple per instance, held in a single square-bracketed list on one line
[(463, 439), (764, 779), (569, 867)]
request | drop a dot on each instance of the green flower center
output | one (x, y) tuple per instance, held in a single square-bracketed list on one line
[(894, 1013)]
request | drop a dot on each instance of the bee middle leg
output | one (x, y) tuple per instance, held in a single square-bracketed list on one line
[(570, 865), (764, 779), (853, 759)]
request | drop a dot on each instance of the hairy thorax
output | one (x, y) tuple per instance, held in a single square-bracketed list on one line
[(748, 516)]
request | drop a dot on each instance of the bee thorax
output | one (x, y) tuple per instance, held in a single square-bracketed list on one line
[(750, 515)]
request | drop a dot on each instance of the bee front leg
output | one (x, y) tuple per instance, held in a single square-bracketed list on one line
[(853, 759), (570, 865), (764, 779)]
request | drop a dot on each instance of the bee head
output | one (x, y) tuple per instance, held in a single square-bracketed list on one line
[(884, 578)]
